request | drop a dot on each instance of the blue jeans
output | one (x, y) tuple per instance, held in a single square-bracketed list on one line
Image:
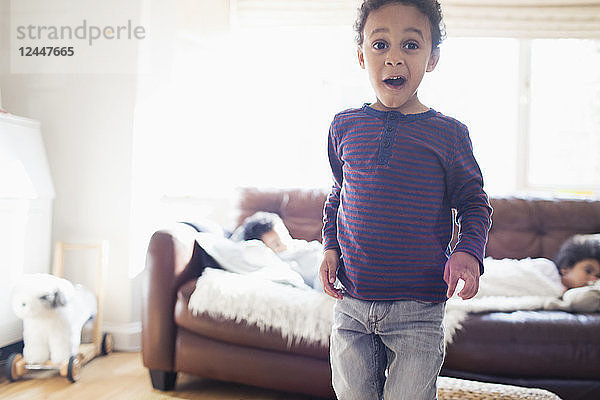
[(389, 349)]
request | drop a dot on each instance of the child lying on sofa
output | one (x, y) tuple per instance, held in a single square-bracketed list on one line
[(578, 261), (570, 284), (284, 260), (302, 256)]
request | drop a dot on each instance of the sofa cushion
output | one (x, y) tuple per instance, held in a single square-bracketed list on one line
[(238, 333), (528, 344), (525, 227), (300, 209)]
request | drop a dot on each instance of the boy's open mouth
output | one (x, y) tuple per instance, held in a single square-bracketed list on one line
[(395, 81)]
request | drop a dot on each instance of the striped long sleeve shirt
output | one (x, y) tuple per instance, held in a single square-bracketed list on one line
[(397, 178)]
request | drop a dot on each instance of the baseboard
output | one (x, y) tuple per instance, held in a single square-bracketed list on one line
[(126, 336), (6, 351)]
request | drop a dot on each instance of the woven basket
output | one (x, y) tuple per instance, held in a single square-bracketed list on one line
[(460, 389)]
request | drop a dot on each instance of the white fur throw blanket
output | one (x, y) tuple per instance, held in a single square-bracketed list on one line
[(307, 315), (300, 315)]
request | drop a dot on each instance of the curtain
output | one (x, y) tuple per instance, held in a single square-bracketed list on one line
[(494, 18), (293, 13), (527, 18)]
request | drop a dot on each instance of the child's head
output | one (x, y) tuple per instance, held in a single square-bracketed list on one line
[(267, 227), (431, 9), (397, 43), (578, 260)]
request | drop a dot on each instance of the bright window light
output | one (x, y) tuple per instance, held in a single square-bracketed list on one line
[(565, 114), (476, 82)]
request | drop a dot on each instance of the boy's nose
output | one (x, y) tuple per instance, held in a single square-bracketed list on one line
[(394, 58)]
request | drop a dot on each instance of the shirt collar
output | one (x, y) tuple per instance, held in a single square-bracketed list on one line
[(384, 115)]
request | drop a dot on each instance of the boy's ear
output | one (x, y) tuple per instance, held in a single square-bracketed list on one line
[(433, 59), (361, 57)]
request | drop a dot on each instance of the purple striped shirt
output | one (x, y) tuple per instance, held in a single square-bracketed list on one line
[(397, 178)]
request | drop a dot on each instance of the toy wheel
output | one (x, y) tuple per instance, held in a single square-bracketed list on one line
[(74, 369), (14, 366), (107, 344)]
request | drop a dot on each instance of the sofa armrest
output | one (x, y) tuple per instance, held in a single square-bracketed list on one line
[(170, 262)]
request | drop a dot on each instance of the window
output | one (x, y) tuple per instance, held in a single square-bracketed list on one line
[(564, 126), (477, 82), (252, 107)]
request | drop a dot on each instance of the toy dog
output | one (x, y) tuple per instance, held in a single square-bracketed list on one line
[(53, 311)]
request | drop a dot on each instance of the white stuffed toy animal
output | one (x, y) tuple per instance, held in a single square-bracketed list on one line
[(53, 311)]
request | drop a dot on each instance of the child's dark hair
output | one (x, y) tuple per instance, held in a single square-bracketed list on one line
[(258, 224), (430, 8), (578, 248)]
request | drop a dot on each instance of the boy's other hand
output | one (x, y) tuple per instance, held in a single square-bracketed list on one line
[(463, 266), (327, 273)]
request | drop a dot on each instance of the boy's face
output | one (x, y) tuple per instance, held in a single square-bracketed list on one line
[(396, 52), (273, 241), (581, 274)]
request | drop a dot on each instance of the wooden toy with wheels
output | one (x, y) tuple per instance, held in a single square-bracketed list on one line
[(101, 343), (16, 367)]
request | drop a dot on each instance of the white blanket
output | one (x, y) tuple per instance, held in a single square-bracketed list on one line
[(307, 315), (251, 257)]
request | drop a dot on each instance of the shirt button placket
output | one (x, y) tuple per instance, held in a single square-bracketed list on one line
[(386, 140)]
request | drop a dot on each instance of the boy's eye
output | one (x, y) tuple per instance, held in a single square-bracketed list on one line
[(411, 46), (380, 45)]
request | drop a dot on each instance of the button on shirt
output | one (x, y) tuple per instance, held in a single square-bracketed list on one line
[(396, 179)]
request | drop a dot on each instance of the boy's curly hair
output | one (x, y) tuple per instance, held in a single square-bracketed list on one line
[(258, 224), (430, 8), (578, 248)]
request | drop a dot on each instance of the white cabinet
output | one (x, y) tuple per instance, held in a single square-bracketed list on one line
[(26, 194)]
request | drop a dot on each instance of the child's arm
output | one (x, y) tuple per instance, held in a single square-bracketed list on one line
[(466, 195), (328, 269), (333, 199)]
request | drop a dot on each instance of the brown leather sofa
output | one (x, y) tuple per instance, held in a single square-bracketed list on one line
[(554, 350)]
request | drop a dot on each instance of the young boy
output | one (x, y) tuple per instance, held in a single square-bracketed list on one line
[(399, 168), (578, 261)]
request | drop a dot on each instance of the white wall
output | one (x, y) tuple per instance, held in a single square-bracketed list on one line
[(87, 123)]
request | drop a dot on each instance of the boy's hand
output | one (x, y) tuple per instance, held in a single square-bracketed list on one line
[(328, 271), (463, 266)]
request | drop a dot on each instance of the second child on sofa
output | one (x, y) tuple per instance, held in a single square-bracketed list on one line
[(301, 256), (399, 168), (578, 261)]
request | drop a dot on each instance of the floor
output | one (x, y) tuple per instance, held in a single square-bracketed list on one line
[(121, 375)]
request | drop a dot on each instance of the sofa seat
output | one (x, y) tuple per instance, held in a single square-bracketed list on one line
[(239, 333), (557, 343)]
